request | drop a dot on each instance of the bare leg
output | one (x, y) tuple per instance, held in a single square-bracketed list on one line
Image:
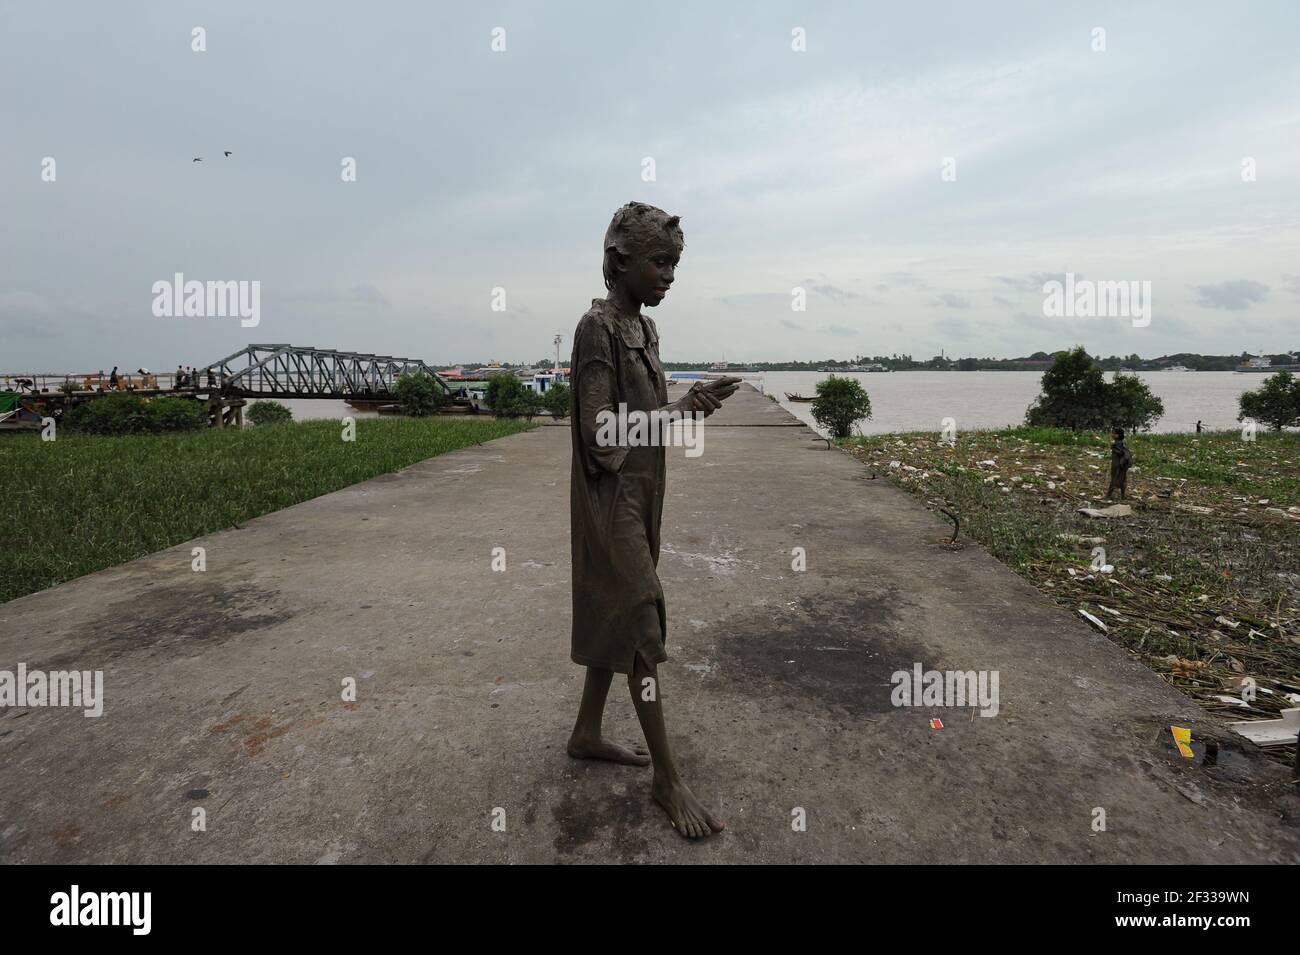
[(586, 741), (685, 812)]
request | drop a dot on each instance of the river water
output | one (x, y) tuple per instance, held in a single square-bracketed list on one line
[(920, 400)]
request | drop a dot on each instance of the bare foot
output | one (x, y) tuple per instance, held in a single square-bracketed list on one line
[(634, 755), (686, 814)]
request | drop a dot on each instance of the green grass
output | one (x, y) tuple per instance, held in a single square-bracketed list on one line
[(82, 503), (1210, 540)]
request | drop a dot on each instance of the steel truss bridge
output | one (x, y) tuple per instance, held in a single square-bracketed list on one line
[(290, 371)]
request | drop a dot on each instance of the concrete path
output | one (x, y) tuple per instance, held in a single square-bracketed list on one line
[(223, 688)]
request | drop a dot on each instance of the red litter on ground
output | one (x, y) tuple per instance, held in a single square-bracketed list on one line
[(936, 724)]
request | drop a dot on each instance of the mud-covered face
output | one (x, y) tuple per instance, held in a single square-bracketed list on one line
[(649, 274)]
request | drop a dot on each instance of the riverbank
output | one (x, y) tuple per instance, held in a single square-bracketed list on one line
[(82, 503), (1204, 587), (358, 678)]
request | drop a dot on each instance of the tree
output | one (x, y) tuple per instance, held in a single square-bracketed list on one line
[(262, 413), (1076, 396), (1073, 396), (1276, 402), (556, 400), (1131, 405), (506, 396), (531, 404), (419, 394), (840, 403)]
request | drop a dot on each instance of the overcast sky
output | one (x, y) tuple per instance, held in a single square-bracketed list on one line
[(479, 169)]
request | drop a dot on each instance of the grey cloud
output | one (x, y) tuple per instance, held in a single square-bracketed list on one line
[(749, 299), (1233, 295), (954, 327), (359, 294), (906, 279), (827, 290), (1034, 282)]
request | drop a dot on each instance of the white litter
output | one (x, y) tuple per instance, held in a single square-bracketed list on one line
[(1095, 622), (1271, 732)]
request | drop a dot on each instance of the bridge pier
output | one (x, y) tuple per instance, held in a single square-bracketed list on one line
[(226, 412)]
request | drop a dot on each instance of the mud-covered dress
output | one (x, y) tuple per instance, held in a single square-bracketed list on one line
[(616, 494)]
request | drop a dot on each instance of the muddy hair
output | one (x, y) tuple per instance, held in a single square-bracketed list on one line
[(635, 228)]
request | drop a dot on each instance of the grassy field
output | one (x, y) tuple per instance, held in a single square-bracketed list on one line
[(1205, 585), (82, 503)]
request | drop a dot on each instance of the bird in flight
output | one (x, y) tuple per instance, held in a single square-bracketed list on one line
[(197, 159), (227, 152)]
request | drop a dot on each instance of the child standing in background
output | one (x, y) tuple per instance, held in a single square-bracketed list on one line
[(1120, 461)]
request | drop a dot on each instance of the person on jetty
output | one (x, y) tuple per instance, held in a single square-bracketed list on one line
[(616, 503), (1120, 461)]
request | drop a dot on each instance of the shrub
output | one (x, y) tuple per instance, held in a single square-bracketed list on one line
[(532, 404), (172, 413), (556, 400), (262, 413), (505, 395), (1076, 396), (840, 403), (1276, 402), (126, 413), (419, 393)]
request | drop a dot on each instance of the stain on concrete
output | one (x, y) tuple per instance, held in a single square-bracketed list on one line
[(254, 731), (67, 835), (610, 816), (836, 652), (184, 617)]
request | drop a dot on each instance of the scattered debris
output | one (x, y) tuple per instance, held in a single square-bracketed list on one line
[(956, 523), (1211, 757), (1183, 736), (1203, 585), (1115, 510), (1095, 622), (936, 724), (1271, 732)]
